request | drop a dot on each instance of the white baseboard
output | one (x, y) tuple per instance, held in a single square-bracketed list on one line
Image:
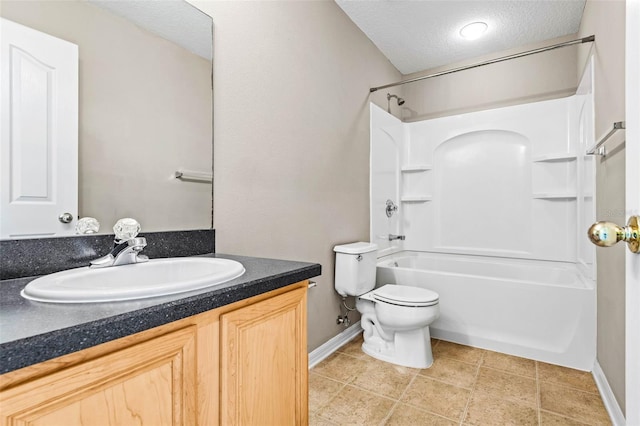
[(608, 398), (333, 344)]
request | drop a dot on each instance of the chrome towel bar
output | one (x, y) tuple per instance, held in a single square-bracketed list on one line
[(598, 149), (194, 176)]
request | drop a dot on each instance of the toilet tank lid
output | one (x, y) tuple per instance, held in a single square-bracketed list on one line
[(355, 248)]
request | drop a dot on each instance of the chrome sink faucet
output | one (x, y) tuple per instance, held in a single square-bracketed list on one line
[(124, 253), (126, 247)]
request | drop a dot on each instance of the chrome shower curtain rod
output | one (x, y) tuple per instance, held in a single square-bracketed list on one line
[(489, 62)]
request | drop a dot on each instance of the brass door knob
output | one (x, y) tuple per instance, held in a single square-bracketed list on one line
[(606, 234)]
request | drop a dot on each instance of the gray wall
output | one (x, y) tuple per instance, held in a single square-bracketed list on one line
[(291, 136), (606, 19)]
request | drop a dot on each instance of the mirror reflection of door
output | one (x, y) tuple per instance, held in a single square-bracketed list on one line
[(39, 145), (145, 106)]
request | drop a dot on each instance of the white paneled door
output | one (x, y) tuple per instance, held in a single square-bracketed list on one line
[(39, 131)]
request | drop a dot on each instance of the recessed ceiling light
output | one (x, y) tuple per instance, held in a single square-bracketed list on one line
[(473, 30)]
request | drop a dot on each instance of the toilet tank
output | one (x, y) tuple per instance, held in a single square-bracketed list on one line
[(355, 268)]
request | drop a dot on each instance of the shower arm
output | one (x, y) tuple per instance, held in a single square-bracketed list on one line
[(399, 100)]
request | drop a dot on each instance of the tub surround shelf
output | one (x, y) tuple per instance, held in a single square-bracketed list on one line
[(416, 199), (555, 196), (554, 157), (416, 168)]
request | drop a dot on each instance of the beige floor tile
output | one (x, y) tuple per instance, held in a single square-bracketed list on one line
[(582, 380), (510, 364), (550, 419), (354, 347), (405, 415), (487, 410), (384, 378), (321, 390), (454, 372), (437, 397), (315, 420), (507, 386), (458, 352), (504, 391), (355, 406), (340, 367), (578, 405)]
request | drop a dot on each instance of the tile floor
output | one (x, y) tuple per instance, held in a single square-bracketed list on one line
[(464, 386)]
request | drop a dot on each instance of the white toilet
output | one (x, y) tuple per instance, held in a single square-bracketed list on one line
[(395, 318)]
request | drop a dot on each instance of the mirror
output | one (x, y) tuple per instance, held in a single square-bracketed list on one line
[(145, 106)]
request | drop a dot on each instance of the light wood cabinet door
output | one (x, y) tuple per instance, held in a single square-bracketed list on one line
[(150, 383), (263, 362)]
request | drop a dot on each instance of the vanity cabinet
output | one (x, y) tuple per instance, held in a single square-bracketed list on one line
[(263, 371), (240, 364), (150, 381)]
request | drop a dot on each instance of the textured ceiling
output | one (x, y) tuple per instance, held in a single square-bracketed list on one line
[(418, 35), (174, 20)]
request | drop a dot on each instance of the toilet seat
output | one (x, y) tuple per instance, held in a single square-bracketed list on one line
[(404, 295)]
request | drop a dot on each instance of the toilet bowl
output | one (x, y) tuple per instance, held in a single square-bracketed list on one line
[(395, 318)]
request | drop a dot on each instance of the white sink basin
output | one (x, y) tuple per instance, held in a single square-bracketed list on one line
[(157, 277)]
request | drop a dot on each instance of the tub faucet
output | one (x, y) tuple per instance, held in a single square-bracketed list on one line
[(123, 253), (396, 237)]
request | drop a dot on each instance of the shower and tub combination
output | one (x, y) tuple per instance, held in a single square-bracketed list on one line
[(494, 206)]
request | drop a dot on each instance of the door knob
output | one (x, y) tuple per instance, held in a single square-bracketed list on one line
[(606, 234), (65, 217)]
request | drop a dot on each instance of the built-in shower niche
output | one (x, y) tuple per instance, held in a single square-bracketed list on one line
[(555, 177), (417, 183), (504, 182)]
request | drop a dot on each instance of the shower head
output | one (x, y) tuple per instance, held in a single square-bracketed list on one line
[(389, 96)]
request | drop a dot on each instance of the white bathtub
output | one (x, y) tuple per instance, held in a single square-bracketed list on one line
[(535, 309)]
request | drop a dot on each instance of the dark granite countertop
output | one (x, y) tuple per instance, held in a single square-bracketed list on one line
[(33, 332)]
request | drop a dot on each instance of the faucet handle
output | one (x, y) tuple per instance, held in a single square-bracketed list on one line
[(87, 225), (126, 229), (390, 208)]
